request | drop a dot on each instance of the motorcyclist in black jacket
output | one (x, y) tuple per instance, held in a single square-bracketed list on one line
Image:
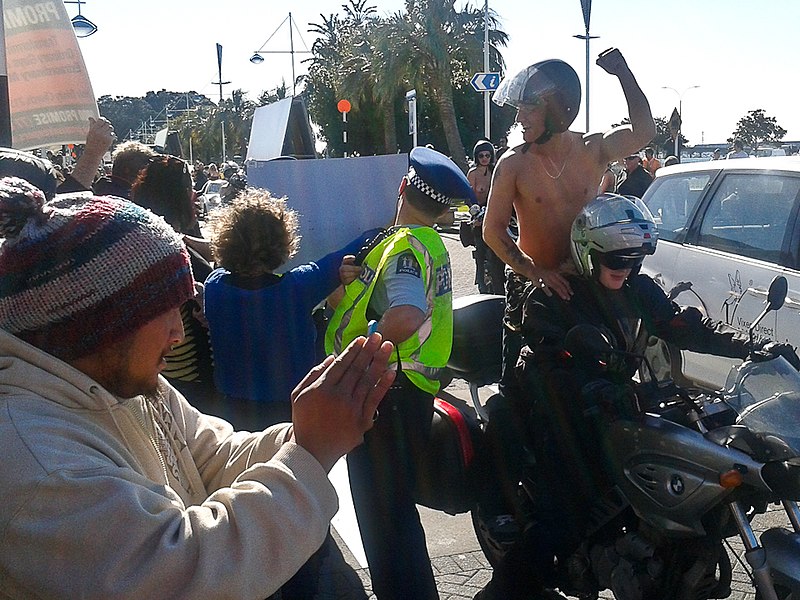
[(566, 400)]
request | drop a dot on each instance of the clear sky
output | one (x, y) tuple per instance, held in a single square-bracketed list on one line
[(744, 54)]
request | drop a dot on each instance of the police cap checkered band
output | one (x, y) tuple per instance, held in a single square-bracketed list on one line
[(423, 187), (81, 272)]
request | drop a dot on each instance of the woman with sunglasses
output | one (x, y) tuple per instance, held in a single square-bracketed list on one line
[(486, 261), (564, 402)]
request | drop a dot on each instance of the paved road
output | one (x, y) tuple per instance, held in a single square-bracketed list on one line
[(459, 565)]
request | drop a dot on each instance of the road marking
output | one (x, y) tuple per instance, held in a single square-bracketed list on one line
[(344, 521)]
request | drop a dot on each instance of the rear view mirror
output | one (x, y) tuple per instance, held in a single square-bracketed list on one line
[(777, 292)]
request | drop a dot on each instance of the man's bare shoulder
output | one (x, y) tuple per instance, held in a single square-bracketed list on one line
[(514, 158)]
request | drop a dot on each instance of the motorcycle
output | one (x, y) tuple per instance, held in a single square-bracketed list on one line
[(489, 269), (697, 467)]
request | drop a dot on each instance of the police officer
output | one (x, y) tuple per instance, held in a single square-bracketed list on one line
[(405, 286)]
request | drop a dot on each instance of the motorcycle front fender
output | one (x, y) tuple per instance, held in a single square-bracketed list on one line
[(783, 556)]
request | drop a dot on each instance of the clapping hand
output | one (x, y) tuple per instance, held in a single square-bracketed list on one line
[(337, 401)]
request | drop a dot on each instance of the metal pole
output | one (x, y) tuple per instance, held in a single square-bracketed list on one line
[(224, 153), (291, 51), (487, 126), (5, 104), (587, 79)]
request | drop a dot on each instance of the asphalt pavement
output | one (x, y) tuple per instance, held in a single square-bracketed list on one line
[(459, 566)]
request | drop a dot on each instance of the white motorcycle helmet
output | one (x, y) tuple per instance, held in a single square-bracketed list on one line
[(613, 230)]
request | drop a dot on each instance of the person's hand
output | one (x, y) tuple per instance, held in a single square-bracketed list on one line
[(349, 271), (100, 136), (612, 62), (338, 400), (98, 141), (787, 351), (552, 282)]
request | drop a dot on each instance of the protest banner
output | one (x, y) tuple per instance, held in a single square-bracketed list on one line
[(50, 95)]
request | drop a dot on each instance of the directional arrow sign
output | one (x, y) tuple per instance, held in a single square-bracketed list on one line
[(485, 82)]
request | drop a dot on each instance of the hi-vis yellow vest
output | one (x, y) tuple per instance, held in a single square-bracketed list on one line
[(422, 356)]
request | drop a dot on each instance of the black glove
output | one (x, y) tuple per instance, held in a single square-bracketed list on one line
[(784, 349), (611, 400)]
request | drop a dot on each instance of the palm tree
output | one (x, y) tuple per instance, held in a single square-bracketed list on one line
[(444, 47)]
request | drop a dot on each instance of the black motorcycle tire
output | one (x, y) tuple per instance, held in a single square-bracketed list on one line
[(493, 553)]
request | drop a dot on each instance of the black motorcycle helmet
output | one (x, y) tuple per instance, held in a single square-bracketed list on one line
[(483, 146), (552, 82)]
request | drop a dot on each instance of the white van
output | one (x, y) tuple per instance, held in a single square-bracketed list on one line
[(726, 229)]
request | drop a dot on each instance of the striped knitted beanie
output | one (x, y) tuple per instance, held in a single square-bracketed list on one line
[(81, 271)]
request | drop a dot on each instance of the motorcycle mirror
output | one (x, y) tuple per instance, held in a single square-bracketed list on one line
[(776, 296), (587, 341), (777, 292)]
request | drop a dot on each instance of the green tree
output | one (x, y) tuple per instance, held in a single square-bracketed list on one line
[(373, 62), (756, 129), (444, 48), (125, 113)]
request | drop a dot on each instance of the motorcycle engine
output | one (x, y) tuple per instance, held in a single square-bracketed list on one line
[(628, 566)]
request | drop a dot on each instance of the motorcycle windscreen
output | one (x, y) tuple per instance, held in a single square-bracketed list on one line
[(766, 396)]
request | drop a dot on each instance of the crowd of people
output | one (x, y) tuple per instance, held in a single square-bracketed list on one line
[(171, 405)]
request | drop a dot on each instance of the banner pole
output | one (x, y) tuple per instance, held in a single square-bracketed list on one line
[(5, 104)]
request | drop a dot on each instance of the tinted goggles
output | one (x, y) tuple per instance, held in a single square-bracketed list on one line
[(618, 263)]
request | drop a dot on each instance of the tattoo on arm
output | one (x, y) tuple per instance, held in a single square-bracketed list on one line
[(516, 259)]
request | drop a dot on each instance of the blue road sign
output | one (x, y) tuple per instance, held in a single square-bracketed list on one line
[(485, 82)]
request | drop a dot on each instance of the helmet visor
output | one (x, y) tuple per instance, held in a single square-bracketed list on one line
[(618, 210), (617, 262), (516, 91)]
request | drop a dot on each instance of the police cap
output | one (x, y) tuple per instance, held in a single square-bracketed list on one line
[(437, 176)]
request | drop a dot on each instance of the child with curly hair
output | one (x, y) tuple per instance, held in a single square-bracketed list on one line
[(263, 334)]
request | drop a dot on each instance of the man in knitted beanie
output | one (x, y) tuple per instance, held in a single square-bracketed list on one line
[(112, 485)]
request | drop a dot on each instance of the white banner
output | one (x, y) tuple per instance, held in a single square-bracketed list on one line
[(50, 93)]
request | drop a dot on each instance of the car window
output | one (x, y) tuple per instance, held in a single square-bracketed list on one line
[(749, 213), (672, 201), (213, 187)]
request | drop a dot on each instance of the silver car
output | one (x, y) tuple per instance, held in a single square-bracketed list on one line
[(726, 229)]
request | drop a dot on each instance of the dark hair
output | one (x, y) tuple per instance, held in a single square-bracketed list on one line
[(129, 158), (255, 234), (165, 187), (424, 203)]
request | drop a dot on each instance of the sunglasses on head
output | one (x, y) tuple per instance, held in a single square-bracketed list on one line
[(618, 263)]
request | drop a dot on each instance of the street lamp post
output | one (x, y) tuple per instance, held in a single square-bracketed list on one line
[(487, 104), (586, 6), (83, 27), (680, 113), (257, 57)]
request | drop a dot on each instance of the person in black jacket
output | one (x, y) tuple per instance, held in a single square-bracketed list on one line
[(637, 179), (568, 399)]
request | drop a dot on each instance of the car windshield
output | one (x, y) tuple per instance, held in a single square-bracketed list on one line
[(766, 396)]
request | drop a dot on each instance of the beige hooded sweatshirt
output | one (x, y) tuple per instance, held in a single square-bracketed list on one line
[(102, 497)]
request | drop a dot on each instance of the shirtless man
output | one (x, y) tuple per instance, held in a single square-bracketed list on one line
[(547, 181), (550, 177)]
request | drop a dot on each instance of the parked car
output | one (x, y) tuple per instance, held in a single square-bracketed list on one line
[(210, 194), (726, 229)]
